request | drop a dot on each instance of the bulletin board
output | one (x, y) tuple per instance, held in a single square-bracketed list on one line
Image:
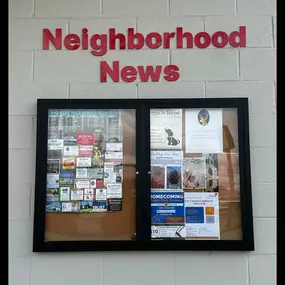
[(151, 174)]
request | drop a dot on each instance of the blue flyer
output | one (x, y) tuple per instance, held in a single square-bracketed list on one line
[(167, 207), (53, 206)]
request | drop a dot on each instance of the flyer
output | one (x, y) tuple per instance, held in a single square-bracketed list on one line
[(55, 144), (85, 139), (114, 190), (165, 157), (114, 146), (86, 150), (70, 150), (83, 161), (64, 193), (81, 173), (97, 173), (166, 128), (93, 183), (114, 204), (109, 177), (69, 141), (201, 214), (212, 177), (101, 194), (53, 207), (82, 183), (68, 163), (173, 177), (65, 181), (167, 207), (54, 154), (92, 173), (52, 180), (204, 130), (67, 173), (86, 206), (75, 206), (114, 155), (99, 183), (157, 178), (76, 194), (99, 206), (52, 194), (53, 165), (194, 173), (66, 206), (168, 231)]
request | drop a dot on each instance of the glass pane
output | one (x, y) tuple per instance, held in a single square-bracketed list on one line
[(90, 193), (195, 184)]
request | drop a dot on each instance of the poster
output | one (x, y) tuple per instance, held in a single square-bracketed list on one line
[(89, 194), (158, 177), (114, 190), (76, 194), (53, 165), (114, 155), (52, 194), (86, 206), (70, 150), (194, 173), (82, 183), (85, 150), (55, 144), (204, 130), (66, 207), (85, 139), (167, 207), (83, 161), (64, 193), (202, 214), (114, 146), (101, 194), (114, 204), (68, 162), (53, 207), (212, 177), (166, 128), (81, 173), (52, 180), (99, 206), (173, 177)]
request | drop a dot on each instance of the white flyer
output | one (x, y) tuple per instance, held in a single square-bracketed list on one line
[(101, 194), (66, 207), (64, 193), (109, 177), (202, 214), (109, 167), (114, 146), (83, 161), (52, 180), (204, 130), (115, 155), (82, 183), (76, 194), (114, 190), (70, 150), (81, 172), (165, 128), (174, 232), (55, 144), (166, 157)]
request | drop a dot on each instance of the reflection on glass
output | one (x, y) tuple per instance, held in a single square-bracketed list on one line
[(195, 188), (90, 191)]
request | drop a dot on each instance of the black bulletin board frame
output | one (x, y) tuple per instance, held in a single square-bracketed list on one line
[(143, 221)]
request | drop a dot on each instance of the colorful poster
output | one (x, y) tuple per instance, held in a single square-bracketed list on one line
[(101, 194), (166, 128), (173, 177), (64, 193), (201, 215), (167, 208), (204, 130), (68, 163), (55, 144), (85, 139), (114, 190), (157, 178), (99, 183), (53, 207), (168, 231), (67, 173), (99, 206), (70, 150), (194, 173), (86, 206), (53, 165), (52, 180), (83, 161)]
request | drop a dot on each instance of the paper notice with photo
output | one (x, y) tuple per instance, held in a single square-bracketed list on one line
[(64, 193), (114, 190), (202, 214), (83, 162), (55, 144), (70, 150), (166, 128), (204, 130), (53, 165)]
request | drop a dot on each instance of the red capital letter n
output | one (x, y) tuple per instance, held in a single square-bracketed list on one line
[(48, 37)]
